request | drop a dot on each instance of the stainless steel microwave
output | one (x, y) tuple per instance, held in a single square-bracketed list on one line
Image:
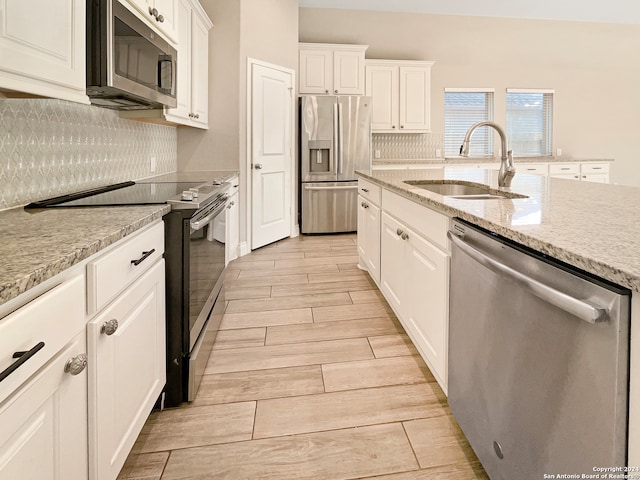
[(129, 66)]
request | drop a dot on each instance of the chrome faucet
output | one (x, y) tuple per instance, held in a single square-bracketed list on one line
[(507, 170)]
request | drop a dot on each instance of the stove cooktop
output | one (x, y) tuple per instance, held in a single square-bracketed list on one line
[(126, 193)]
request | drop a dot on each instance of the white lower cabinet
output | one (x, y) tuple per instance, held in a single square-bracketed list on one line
[(44, 424), (414, 278), (369, 237), (126, 350)]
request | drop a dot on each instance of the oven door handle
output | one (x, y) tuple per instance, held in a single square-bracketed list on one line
[(197, 224)]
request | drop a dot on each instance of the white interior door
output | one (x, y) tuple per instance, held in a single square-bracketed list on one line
[(271, 154)]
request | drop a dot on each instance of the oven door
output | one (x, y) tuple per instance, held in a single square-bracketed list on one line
[(206, 302)]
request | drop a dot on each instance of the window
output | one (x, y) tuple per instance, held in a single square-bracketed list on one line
[(463, 108), (530, 121)]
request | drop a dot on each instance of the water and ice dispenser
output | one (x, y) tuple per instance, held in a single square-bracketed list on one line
[(319, 156)]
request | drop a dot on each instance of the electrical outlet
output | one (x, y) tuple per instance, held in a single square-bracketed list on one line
[(558, 152), (152, 164), (438, 153), (377, 154)]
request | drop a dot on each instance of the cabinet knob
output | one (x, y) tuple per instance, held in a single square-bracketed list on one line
[(326, 91), (404, 236), (365, 190), (399, 231), (258, 166), (160, 18), (153, 12), (109, 327), (335, 91), (401, 126), (76, 365), (231, 204), (393, 126), (364, 205), (197, 115)]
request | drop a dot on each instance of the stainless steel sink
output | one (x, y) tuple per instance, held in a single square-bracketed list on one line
[(462, 191)]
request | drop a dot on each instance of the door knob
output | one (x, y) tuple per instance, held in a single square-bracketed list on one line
[(76, 365), (110, 327), (258, 166)]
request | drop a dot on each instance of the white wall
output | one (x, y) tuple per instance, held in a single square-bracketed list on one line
[(265, 30), (594, 69)]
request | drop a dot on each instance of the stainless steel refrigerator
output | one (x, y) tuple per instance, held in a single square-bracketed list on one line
[(335, 141)]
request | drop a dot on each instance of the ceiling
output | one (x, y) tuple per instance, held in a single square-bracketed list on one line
[(605, 11)]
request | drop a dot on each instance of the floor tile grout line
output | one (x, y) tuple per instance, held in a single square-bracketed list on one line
[(413, 450)]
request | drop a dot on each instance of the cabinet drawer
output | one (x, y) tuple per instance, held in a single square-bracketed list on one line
[(113, 271), (532, 168), (425, 221), (564, 168), (370, 191), (53, 318), (594, 168)]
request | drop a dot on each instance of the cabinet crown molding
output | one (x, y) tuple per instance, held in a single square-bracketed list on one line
[(404, 63), (332, 46)]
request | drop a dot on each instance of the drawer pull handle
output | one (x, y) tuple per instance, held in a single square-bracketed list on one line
[(23, 357), (364, 205), (109, 327), (365, 190), (596, 168), (144, 256), (76, 365)]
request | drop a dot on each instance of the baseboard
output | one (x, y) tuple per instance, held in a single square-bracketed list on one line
[(244, 249), (296, 231)]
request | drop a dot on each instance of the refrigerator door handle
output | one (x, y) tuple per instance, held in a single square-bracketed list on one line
[(340, 139), (341, 187), (336, 133)]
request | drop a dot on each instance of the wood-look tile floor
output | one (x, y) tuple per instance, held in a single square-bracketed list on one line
[(311, 377)]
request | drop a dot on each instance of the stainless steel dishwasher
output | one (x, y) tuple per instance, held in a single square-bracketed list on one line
[(538, 360)]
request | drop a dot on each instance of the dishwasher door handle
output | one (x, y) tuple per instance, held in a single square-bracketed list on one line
[(574, 306)]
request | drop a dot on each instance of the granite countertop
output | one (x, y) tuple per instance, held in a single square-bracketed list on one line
[(39, 244), (595, 227), (477, 161)]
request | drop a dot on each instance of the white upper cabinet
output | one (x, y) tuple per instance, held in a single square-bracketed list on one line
[(42, 48), (193, 67), (401, 95), (331, 69), (162, 15)]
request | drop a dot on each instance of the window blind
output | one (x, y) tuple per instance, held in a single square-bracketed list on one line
[(530, 122), (463, 108)]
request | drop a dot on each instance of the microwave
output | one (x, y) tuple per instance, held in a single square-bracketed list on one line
[(129, 66)]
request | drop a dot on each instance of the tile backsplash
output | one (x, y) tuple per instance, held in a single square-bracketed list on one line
[(395, 146), (53, 147)]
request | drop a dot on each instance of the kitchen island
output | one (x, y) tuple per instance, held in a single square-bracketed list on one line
[(592, 227)]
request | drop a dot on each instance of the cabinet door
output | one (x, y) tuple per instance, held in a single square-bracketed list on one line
[(126, 371), (232, 229), (428, 319), (183, 84), (42, 48), (199, 72), (44, 424), (316, 71), (168, 13), (595, 177), (382, 87), (369, 237), (393, 265), (348, 70), (415, 88)]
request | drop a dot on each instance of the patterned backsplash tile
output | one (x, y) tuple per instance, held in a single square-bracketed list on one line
[(53, 147), (394, 146)]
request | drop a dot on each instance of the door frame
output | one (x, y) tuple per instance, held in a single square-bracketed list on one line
[(245, 246)]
